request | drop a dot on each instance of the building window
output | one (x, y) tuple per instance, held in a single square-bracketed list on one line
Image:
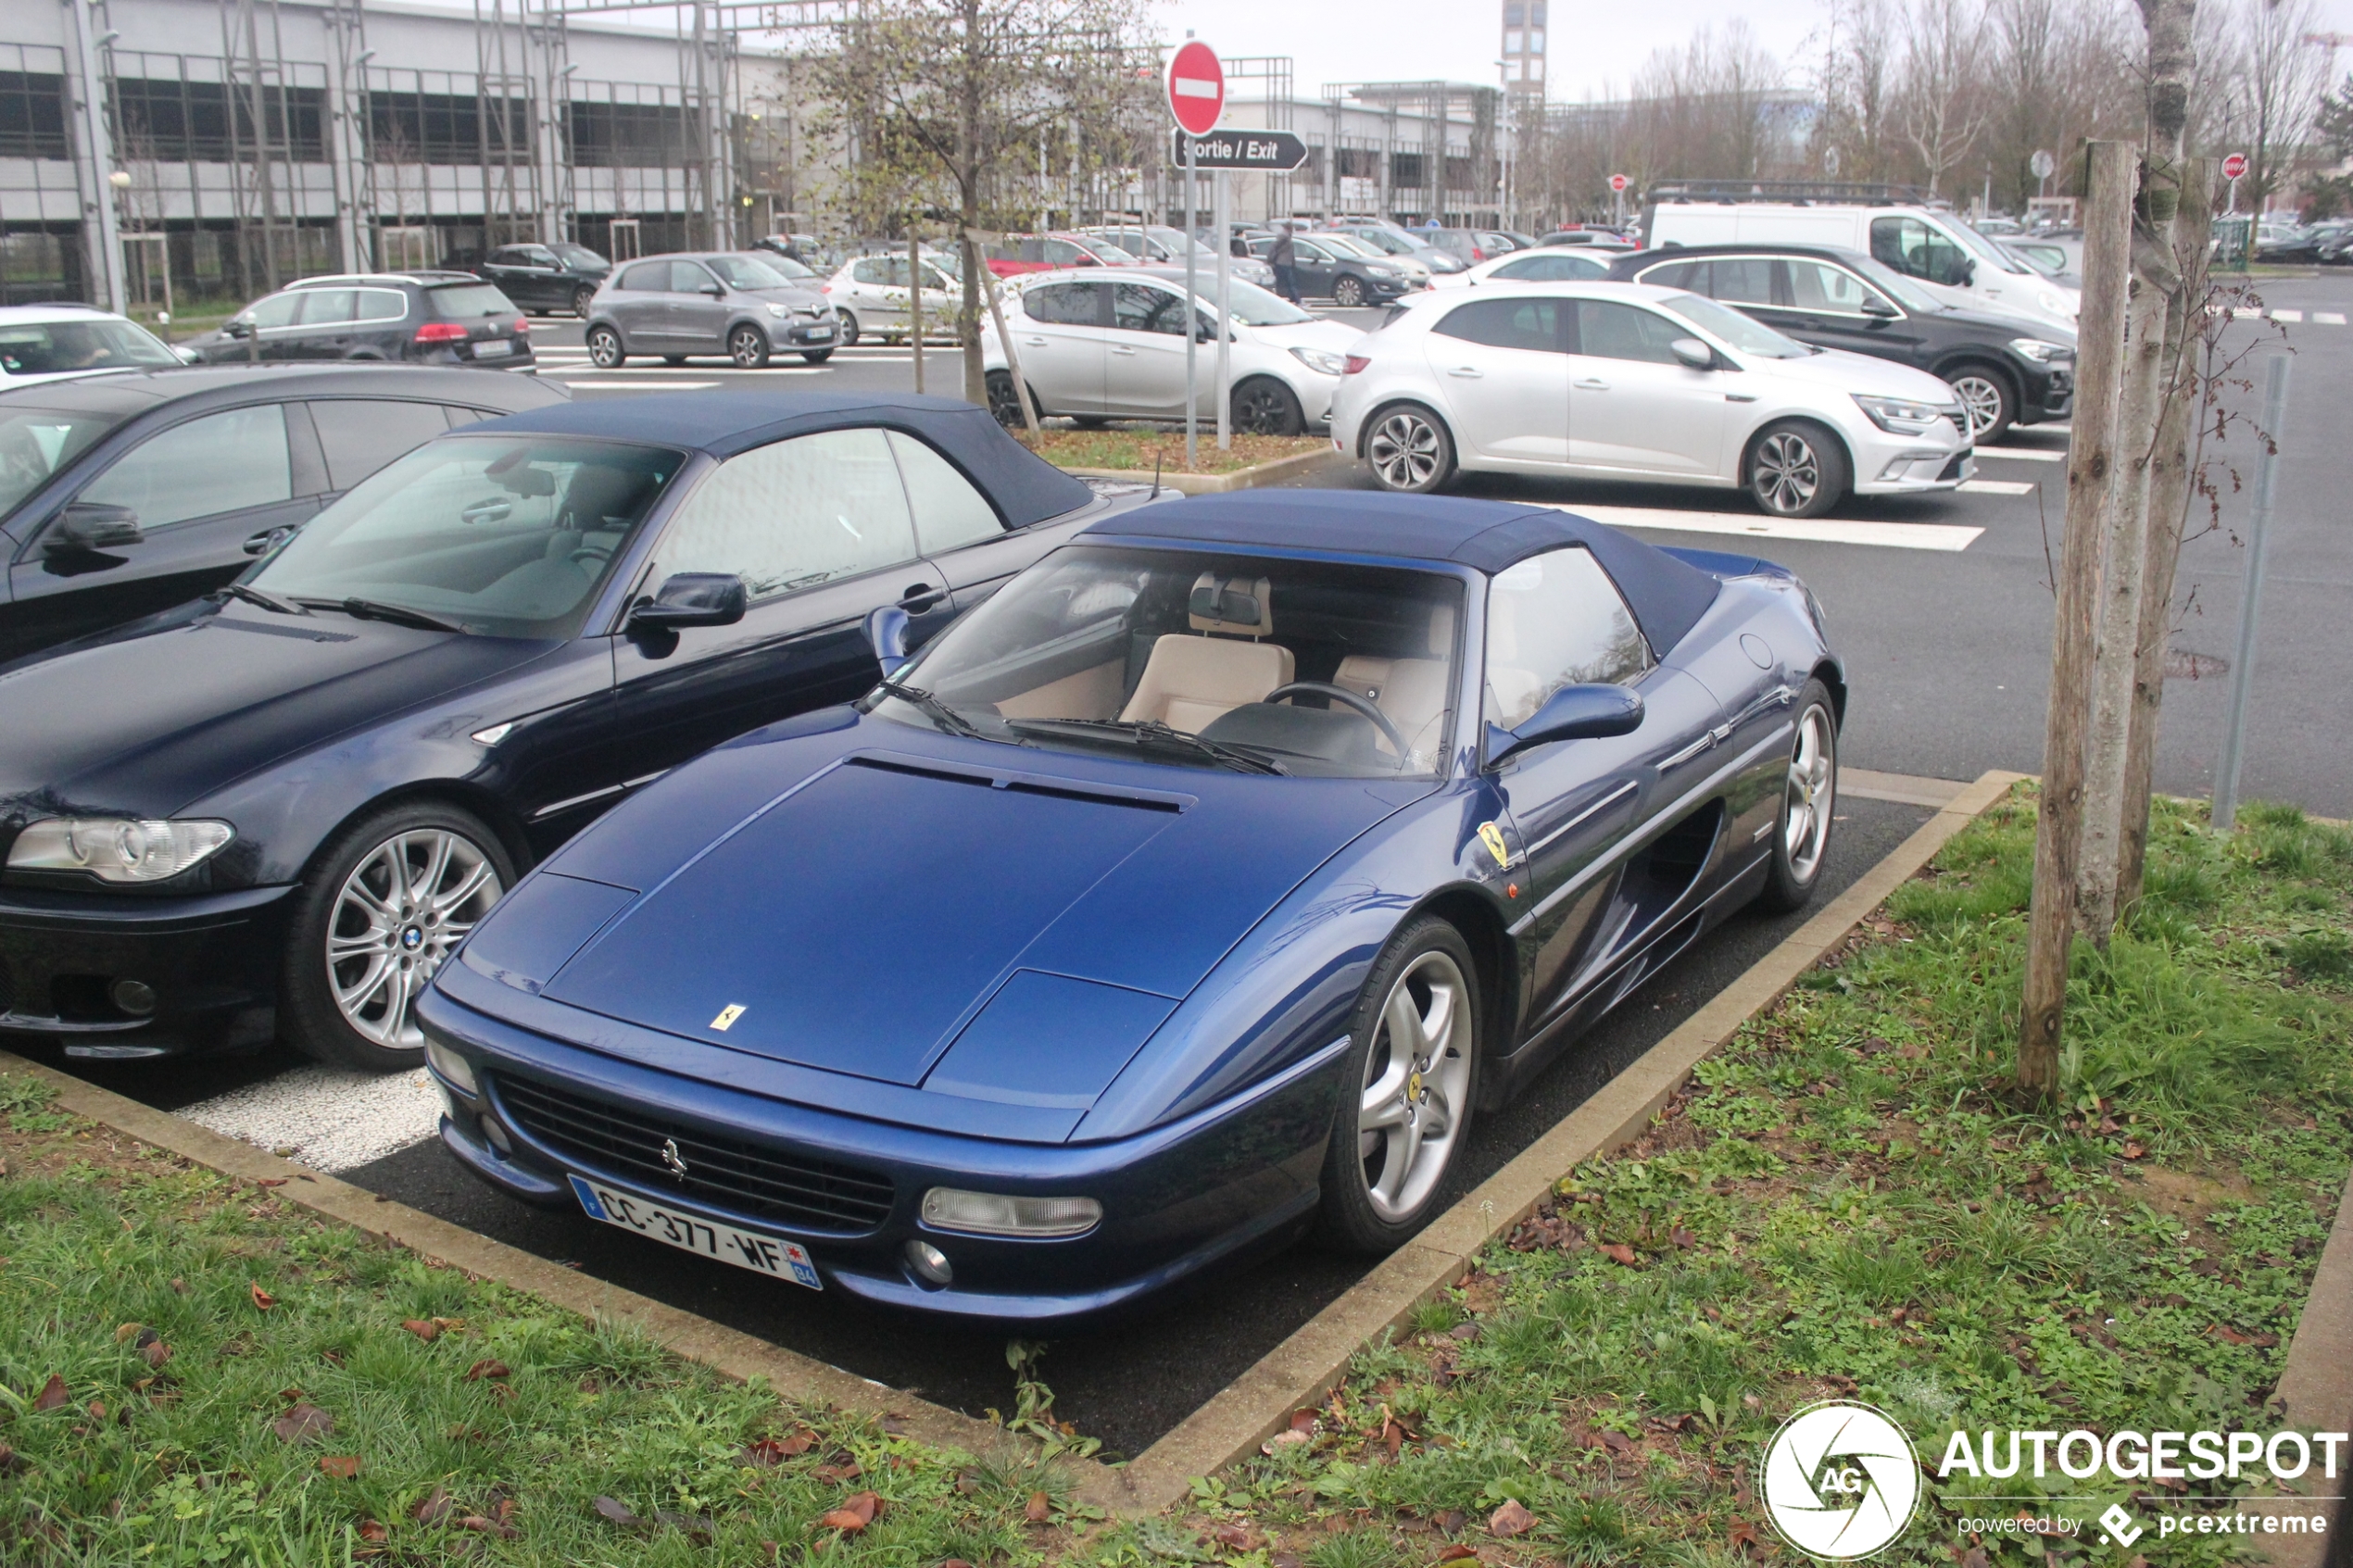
[(32, 115)]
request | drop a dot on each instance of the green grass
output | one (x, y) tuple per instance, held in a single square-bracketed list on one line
[(1851, 1201), (179, 1463)]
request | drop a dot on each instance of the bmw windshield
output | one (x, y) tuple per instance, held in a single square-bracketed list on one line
[(1194, 658)]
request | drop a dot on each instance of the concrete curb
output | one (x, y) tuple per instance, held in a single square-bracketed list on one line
[(2316, 1387), (725, 1351), (1218, 483), (1305, 1367)]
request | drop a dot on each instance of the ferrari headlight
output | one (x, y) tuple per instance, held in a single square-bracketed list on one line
[(990, 1213), (451, 1066), (2042, 353), (1321, 360), (1903, 416), (115, 848)]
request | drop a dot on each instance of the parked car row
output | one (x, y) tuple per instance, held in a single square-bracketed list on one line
[(551, 752)]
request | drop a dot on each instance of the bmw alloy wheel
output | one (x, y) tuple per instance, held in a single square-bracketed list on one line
[(1805, 814), (406, 904), (1405, 451), (1785, 472), (1410, 1111)]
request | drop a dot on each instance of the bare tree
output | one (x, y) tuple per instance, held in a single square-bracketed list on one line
[(1945, 104), (2269, 80)]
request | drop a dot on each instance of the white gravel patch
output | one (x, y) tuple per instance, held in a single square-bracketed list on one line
[(329, 1118)]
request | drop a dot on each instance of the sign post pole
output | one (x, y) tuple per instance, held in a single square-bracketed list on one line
[(1196, 98), (1192, 306), (1224, 309), (2226, 774)]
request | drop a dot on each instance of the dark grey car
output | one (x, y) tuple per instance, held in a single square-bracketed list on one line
[(708, 302)]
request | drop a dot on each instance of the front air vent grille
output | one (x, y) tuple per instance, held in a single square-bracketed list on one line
[(758, 1181)]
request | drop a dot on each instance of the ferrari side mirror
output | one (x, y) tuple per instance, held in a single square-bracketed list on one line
[(1583, 712), (692, 599), (886, 634)]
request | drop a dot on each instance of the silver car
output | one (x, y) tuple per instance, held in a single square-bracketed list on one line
[(869, 296), (741, 304)]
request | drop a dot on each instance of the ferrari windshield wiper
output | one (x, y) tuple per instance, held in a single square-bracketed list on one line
[(1152, 732), (276, 603), (940, 713), (400, 615)]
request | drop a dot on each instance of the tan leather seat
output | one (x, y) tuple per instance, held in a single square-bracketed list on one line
[(1412, 692), (1191, 680)]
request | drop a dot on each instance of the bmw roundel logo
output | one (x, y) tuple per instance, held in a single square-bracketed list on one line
[(413, 939)]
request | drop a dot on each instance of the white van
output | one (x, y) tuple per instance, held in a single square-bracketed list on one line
[(1954, 261)]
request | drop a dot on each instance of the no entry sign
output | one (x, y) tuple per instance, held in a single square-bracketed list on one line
[(1196, 88), (2233, 166), (1619, 181)]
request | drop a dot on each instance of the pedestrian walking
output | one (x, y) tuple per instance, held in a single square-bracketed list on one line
[(1284, 258)]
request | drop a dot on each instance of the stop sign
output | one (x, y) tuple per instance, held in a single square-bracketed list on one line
[(1196, 88), (2233, 166), (1619, 181)]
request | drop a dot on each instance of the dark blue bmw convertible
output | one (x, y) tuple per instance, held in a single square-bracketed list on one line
[(1198, 886)]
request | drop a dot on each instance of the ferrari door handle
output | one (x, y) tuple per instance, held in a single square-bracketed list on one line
[(1592, 384), (921, 597), (1466, 372)]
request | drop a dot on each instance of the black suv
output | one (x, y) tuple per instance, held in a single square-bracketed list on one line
[(544, 278), (424, 318), (2007, 371), (1325, 271)]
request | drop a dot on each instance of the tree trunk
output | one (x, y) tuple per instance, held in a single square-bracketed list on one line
[(2169, 509), (968, 175), (2107, 233)]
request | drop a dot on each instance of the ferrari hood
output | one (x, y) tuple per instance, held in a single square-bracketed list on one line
[(862, 920)]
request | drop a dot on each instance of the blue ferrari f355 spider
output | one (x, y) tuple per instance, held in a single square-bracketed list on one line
[(1198, 887)]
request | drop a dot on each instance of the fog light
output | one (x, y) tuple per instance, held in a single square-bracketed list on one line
[(133, 996), (451, 1066), (497, 1134), (990, 1213), (929, 1262)]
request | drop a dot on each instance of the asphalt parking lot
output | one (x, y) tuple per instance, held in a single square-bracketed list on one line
[(1941, 607)]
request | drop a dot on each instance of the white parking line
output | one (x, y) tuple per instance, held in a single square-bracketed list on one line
[(2328, 318), (331, 1118), (2245, 313), (1886, 535), (2026, 454), (2287, 315), (1996, 487)]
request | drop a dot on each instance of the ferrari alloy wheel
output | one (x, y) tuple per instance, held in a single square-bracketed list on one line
[(748, 347), (1348, 293), (1264, 406), (1407, 1108), (386, 904), (1409, 451), (604, 348), (1985, 402), (1809, 794), (1795, 470)]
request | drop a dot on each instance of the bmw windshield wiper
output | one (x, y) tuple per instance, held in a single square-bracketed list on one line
[(1152, 732), (275, 603), (400, 615), (940, 713)]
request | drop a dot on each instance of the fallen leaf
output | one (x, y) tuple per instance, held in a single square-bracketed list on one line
[(1283, 1560), (302, 1421), (1456, 1551), (262, 1299), (967, 1482), (428, 1332), (772, 1451), (854, 1515), (343, 1467), (1282, 1439), (1039, 1509), (179, 1286), (1304, 1421), (1452, 1520), (696, 1527), (616, 1512), (11, 1461), (1512, 1519), (953, 1563), (1617, 1252), (154, 1352), (1682, 1238), (489, 1527), (433, 1508), (374, 1530), (1464, 1331), (1236, 1537), (1618, 1442), (2133, 1150), (97, 1410), (487, 1367), (1744, 1533), (845, 1470), (125, 1331), (271, 1182), (53, 1394)]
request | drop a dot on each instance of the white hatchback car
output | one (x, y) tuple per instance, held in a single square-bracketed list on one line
[(869, 295), (40, 343), (1629, 381), (1096, 347)]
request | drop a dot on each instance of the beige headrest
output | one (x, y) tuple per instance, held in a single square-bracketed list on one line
[(1237, 606), (1442, 631)]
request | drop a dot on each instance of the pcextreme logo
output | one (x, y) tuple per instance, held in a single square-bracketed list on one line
[(1839, 1480)]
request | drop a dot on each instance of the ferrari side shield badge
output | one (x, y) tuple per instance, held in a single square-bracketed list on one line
[(1492, 837), (728, 1016)]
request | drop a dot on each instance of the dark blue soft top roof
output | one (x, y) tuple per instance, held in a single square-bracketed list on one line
[(1025, 487), (1667, 596)]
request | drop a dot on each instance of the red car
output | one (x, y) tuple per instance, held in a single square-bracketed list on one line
[(1034, 253)]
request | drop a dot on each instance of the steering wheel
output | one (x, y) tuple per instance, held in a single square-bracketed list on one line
[(1357, 700)]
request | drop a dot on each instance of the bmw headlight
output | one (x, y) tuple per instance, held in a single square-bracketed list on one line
[(115, 849), (1320, 360), (1903, 416), (2042, 353)]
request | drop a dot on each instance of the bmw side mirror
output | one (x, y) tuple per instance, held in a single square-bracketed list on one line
[(692, 599), (1571, 713), (1878, 310), (1693, 353), (95, 525), (886, 634)]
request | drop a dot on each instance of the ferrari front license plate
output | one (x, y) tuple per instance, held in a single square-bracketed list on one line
[(688, 1233)]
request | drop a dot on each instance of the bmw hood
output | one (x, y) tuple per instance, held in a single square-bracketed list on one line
[(155, 716), (1843, 372), (891, 906)]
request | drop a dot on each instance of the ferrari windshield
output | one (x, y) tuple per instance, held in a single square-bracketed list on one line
[(1193, 658), (502, 537)]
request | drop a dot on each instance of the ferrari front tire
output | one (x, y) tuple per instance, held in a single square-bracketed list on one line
[(1404, 1108), (1809, 795)]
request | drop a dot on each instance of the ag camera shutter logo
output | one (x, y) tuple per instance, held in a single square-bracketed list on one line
[(1839, 1480)]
